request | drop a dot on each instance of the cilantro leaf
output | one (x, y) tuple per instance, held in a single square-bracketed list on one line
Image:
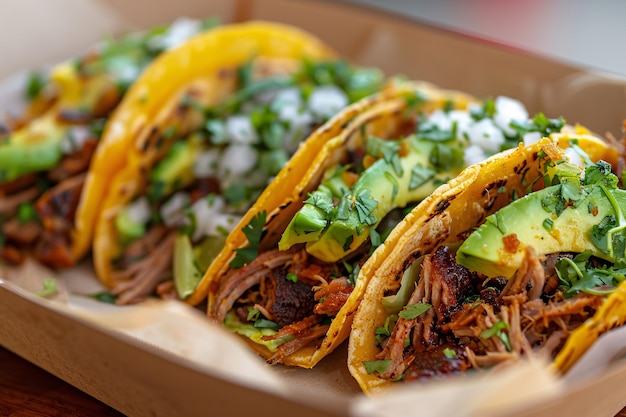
[(413, 311), (499, 330), (388, 150), (384, 331), (261, 323), (449, 353), (365, 206), (377, 366), (35, 84), (104, 297), (49, 287), (419, 175), (253, 314), (253, 232), (579, 275)]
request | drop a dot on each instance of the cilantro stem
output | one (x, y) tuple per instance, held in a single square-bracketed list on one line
[(575, 267), (621, 220)]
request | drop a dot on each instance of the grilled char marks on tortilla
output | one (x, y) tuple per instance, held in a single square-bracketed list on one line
[(481, 323)]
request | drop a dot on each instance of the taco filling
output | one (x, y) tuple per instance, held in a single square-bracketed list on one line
[(286, 297), (519, 284), (207, 179), (45, 152)]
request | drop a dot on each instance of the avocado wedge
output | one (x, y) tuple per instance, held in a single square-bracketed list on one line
[(575, 215)]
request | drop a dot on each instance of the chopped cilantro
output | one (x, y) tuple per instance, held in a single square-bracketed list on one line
[(387, 150), (26, 212), (354, 274), (548, 224), (34, 85), (499, 329), (348, 243), (253, 232), (377, 366), (253, 314), (375, 238), (579, 275), (292, 277), (237, 193), (321, 200), (449, 353), (261, 323), (49, 287), (413, 311), (104, 297), (364, 206), (394, 182), (384, 331), (419, 175)]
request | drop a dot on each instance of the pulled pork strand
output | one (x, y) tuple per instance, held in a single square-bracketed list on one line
[(491, 331), (298, 306), (146, 273), (238, 281)]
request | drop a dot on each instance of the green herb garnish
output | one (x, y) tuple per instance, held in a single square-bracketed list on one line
[(253, 232)]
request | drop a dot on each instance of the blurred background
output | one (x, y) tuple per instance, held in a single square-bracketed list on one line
[(582, 32)]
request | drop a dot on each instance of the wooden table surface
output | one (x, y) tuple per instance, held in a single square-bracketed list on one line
[(29, 391)]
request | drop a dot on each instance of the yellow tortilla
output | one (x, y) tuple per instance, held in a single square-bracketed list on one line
[(205, 66), (384, 115), (455, 208)]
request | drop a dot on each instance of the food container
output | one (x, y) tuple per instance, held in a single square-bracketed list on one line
[(164, 359)]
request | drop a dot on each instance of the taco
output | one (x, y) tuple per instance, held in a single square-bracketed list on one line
[(519, 254), (45, 151), (288, 279), (220, 122)]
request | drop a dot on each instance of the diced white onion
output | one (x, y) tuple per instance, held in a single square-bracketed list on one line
[(325, 101), (239, 129), (237, 160), (573, 157), (139, 211), (530, 138), (210, 219), (463, 121), (123, 69), (299, 127), (75, 139), (206, 162), (474, 154), (179, 31), (507, 110), (287, 97), (172, 211), (487, 135), (440, 119), (222, 223)]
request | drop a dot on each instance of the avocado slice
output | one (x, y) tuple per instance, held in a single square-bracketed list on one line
[(496, 248), (37, 147), (127, 228), (385, 185), (175, 171)]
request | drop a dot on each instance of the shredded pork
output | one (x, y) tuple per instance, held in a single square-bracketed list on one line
[(299, 305), (502, 324)]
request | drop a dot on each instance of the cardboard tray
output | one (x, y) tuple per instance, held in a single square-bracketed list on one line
[(140, 379)]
